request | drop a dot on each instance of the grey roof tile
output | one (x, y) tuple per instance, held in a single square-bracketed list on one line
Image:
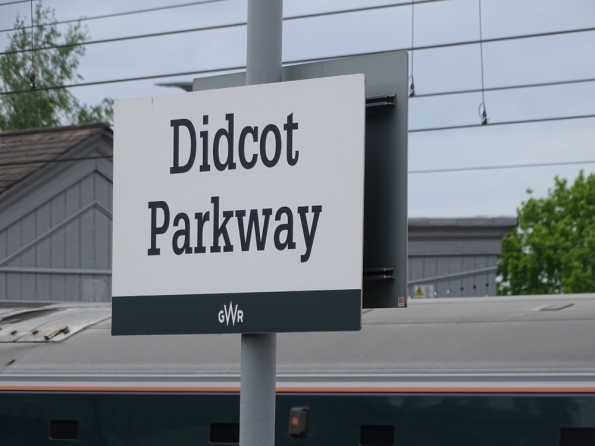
[(20, 150)]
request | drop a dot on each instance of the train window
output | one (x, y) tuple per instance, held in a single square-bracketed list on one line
[(64, 429), (377, 436), (577, 436), (228, 433)]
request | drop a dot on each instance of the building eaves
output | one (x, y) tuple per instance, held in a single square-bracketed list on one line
[(473, 222)]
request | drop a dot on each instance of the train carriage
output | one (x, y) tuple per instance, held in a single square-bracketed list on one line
[(514, 371)]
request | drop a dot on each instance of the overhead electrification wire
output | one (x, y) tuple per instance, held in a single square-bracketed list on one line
[(508, 166), (120, 14), (420, 130), (14, 3), (296, 61), (125, 38), (522, 121), (182, 5), (241, 67), (506, 87), (296, 17), (238, 24), (453, 44), (126, 79), (412, 83), (483, 114), (362, 9), (31, 75), (411, 172)]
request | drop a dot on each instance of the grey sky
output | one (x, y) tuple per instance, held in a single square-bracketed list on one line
[(495, 192)]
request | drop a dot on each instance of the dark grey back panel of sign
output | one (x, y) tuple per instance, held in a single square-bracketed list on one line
[(385, 200)]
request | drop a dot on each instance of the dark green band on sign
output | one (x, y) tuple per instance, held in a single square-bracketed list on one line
[(275, 312)]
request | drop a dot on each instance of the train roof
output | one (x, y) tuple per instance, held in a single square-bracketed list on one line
[(500, 341)]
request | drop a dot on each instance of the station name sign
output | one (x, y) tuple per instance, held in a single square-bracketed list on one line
[(240, 210), (252, 224)]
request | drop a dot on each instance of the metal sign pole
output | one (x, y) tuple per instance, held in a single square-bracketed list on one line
[(259, 351)]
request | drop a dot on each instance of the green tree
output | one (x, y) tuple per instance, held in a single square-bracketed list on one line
[(51, 67), (553, 248)]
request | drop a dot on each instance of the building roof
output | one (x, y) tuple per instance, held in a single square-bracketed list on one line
[(478, 236), (25, 151), (472, 222)]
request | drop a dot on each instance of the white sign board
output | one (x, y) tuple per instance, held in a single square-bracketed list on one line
[(237, 196)]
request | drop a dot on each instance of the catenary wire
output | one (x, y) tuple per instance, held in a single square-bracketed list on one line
[(127, 79), (506, 87), (412, 53), (14, 3), (241, 67), (119, 14), (508, 166), (126, 38), (521, 121), (453, 44), (243, 23), (423, 95), (32, 73), (411, 172), (481, 56), (360, 9), (32, 36), (161, 8), (295, 17), (483, 115), (219, 70), (481, 53), (464, 126)]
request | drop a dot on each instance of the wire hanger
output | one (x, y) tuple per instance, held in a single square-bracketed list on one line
[(412, 84), (31, 74), (483, 114)]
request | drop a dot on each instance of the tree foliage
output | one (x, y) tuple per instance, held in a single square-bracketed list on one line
[(553, 248), (51, 67)]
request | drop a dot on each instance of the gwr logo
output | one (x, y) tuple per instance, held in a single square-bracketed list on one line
[(231, 314)]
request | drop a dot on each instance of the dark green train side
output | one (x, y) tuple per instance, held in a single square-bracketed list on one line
[(368, 420), (460, 372)]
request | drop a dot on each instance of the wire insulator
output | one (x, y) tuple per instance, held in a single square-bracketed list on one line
[(483, 114), (411, 87), (31, 78)]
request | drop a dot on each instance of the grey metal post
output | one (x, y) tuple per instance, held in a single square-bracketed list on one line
[(259, 351), (257, 394), (265, 38)]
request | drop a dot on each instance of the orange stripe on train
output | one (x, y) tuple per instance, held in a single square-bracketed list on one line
[(173, 389)]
